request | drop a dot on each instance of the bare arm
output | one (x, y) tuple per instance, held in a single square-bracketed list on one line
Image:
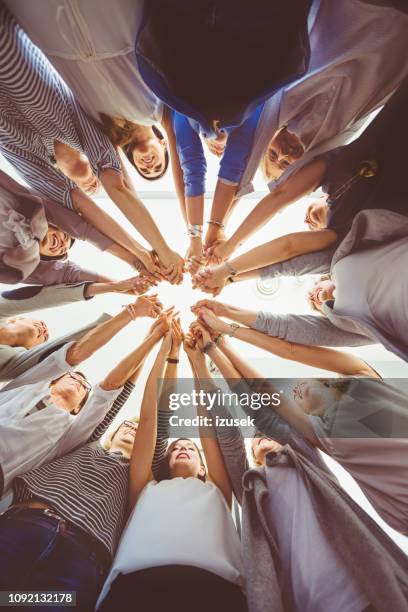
[(140, 469), (130, 366), (97, 217), (175, 163), (299, 184), (283, 248), (215, 461), (136, 212), (316, 356), (99, 336)]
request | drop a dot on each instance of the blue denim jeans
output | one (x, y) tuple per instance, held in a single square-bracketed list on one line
[(42, 553)]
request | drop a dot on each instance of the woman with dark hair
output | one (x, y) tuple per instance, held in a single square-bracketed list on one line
[(360, 421), (307, 546), (62, 153), (35, 236), (180, 539)]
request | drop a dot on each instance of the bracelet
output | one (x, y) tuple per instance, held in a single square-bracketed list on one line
[(218, 339), (130, 311), (233, 329), (195, 231), (232, 271), (172, 360), (230, 279), (218, 223), (208, 346)]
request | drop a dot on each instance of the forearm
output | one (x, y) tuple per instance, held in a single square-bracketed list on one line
[(195, 209), (136, 212), (96, 338), (172, 368), (240, 315), (241, 365), (223, 202), (127, 367), (284, 248), (298, 185), (97, 217), (124, 254), (223, 364)]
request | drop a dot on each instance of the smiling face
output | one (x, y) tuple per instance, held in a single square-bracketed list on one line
[(283, 150), (55, 243), (316, 214), (184, 460), (27, 332), (72, 388), (149, 157), (261, 446), (124, 438)]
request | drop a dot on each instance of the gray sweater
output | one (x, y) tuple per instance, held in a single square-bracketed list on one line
[(378, 565), (369, 228)]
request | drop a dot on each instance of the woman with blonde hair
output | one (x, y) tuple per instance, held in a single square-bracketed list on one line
[(307, 546), (360, 420)]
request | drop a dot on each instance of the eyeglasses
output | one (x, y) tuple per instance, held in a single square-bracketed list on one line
[(131, 424), (85, 384)]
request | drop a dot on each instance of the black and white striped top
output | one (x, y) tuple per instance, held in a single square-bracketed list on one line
[(37, 108), (89, 486)]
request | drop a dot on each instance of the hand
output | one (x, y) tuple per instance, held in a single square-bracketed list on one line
[(203, 336), (211, 321), (133, 286), (214, 234), (172, 267), (192, 351), (219, 252), (218, 308), (176, 337), (194, 256), (162, 324), (145, 306), (147, 264), (211, 278)]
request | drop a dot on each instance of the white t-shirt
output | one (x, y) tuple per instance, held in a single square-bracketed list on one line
[(91, 44), (312, 570), (182, 521), (30, 437)]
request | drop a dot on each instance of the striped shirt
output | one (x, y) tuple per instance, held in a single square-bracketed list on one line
[(89, 486), (36, 109)]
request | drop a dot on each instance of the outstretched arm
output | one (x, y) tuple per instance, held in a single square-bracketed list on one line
[(97, 217), (140, 469), (315, 356), (215, 462), (299, 184), (130, 366), (280, 249), (98, 337)]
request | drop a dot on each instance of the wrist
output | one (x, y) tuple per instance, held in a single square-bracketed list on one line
[(174, 353)]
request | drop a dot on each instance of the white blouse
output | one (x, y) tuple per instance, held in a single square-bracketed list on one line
[(91, 44), (30, 437), (182, 521)]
